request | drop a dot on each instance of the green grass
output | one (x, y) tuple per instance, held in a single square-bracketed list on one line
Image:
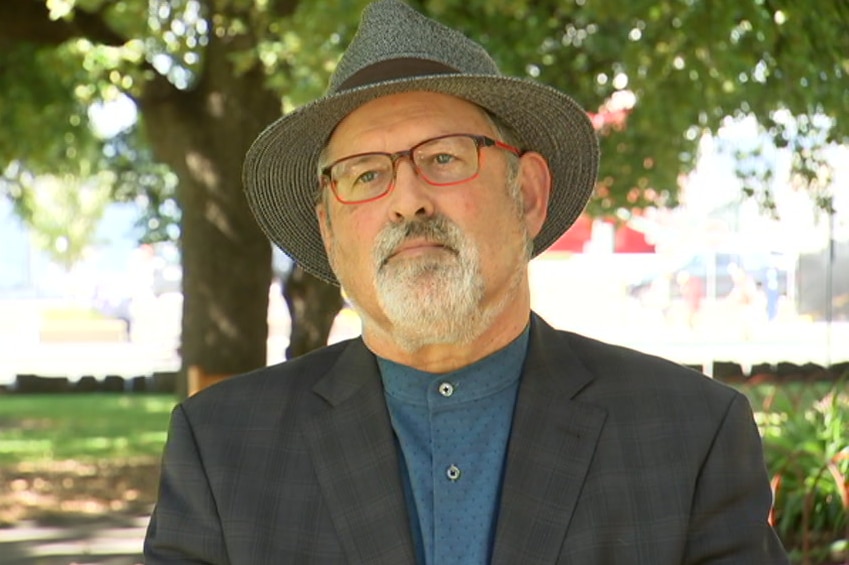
[(84, 427)]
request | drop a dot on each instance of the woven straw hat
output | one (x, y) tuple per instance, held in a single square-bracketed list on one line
[(397, 49)]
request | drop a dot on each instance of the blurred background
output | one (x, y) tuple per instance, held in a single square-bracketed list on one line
[(714, 279), (132, 273)]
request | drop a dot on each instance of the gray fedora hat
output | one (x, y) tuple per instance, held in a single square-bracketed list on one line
[(397, 49)]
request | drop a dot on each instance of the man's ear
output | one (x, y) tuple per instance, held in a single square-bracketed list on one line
[(535, 179)]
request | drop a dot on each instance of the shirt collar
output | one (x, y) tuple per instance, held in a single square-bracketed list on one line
[(482, 378)]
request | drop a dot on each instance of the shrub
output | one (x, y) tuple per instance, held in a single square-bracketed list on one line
[(805, 427)]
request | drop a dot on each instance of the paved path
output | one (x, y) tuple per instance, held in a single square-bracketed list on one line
[(113, 540)]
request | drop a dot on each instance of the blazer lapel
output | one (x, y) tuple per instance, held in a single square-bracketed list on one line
[(551, 446), (353, 449)]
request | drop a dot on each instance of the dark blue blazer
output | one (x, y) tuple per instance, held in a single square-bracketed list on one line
[(615, 458)]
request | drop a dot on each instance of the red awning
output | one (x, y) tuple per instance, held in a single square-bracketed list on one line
[(575, 237), (627, 239)]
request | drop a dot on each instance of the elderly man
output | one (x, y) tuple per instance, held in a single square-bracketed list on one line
[(460, 429)]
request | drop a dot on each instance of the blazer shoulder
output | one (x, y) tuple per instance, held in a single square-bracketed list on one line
[(275, 383), (622, 368)]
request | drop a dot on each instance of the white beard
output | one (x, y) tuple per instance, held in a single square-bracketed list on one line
[(436, 298)]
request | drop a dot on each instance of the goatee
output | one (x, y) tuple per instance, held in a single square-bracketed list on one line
[(431, 298)]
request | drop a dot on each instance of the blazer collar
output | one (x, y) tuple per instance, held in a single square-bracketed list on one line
[(354, 452), (552, 443)]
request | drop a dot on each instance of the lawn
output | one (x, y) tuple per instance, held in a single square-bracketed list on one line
[(64, 457), (82, 427)]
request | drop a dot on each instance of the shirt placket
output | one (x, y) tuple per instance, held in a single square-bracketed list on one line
[(448, 466)]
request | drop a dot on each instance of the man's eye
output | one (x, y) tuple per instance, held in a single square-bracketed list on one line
[(444, 158), (367, 177)]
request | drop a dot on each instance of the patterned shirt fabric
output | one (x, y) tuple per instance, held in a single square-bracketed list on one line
[(452, 430)]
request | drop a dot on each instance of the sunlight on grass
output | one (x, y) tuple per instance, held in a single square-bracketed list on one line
[(84, 427), (25, 447)]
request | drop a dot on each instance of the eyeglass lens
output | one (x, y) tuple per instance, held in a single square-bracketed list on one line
[(441, 161)]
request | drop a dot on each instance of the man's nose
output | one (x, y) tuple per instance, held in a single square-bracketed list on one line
[(412, 196)]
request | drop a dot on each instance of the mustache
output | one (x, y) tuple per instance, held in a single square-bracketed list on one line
[(437, 229)]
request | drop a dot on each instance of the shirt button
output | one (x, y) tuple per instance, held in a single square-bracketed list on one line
[(453, 473), (446, 389)]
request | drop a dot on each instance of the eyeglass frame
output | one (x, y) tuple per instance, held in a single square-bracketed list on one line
[(481, 141)]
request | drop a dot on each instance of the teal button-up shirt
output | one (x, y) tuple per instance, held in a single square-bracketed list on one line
[(452, 430)]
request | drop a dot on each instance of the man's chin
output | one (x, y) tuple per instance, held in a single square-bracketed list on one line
[(420, 286)]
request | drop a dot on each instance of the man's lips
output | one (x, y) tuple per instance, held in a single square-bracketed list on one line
[(416, 247)]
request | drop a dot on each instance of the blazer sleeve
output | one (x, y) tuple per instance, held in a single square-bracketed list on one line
[(185, 526), (732, 499)]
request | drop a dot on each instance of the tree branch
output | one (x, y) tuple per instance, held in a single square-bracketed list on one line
[(29, 21), (284, 8)]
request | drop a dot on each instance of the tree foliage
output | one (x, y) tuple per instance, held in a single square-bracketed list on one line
[(65, 215), (207, 75), (690, 66)]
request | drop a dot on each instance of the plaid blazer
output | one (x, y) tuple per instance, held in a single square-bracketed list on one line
[(615, 457)]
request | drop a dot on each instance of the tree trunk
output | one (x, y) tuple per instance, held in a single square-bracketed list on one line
[(203, 134), (314, 304)]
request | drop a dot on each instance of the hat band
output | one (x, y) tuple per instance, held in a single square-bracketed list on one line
[(394, 69)]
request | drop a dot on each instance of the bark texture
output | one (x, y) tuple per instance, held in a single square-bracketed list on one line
[(314, 303)]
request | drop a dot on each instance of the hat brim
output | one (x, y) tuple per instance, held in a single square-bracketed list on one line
[(280, 172)]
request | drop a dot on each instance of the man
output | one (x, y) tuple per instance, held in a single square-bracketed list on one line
[(460, 429)]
